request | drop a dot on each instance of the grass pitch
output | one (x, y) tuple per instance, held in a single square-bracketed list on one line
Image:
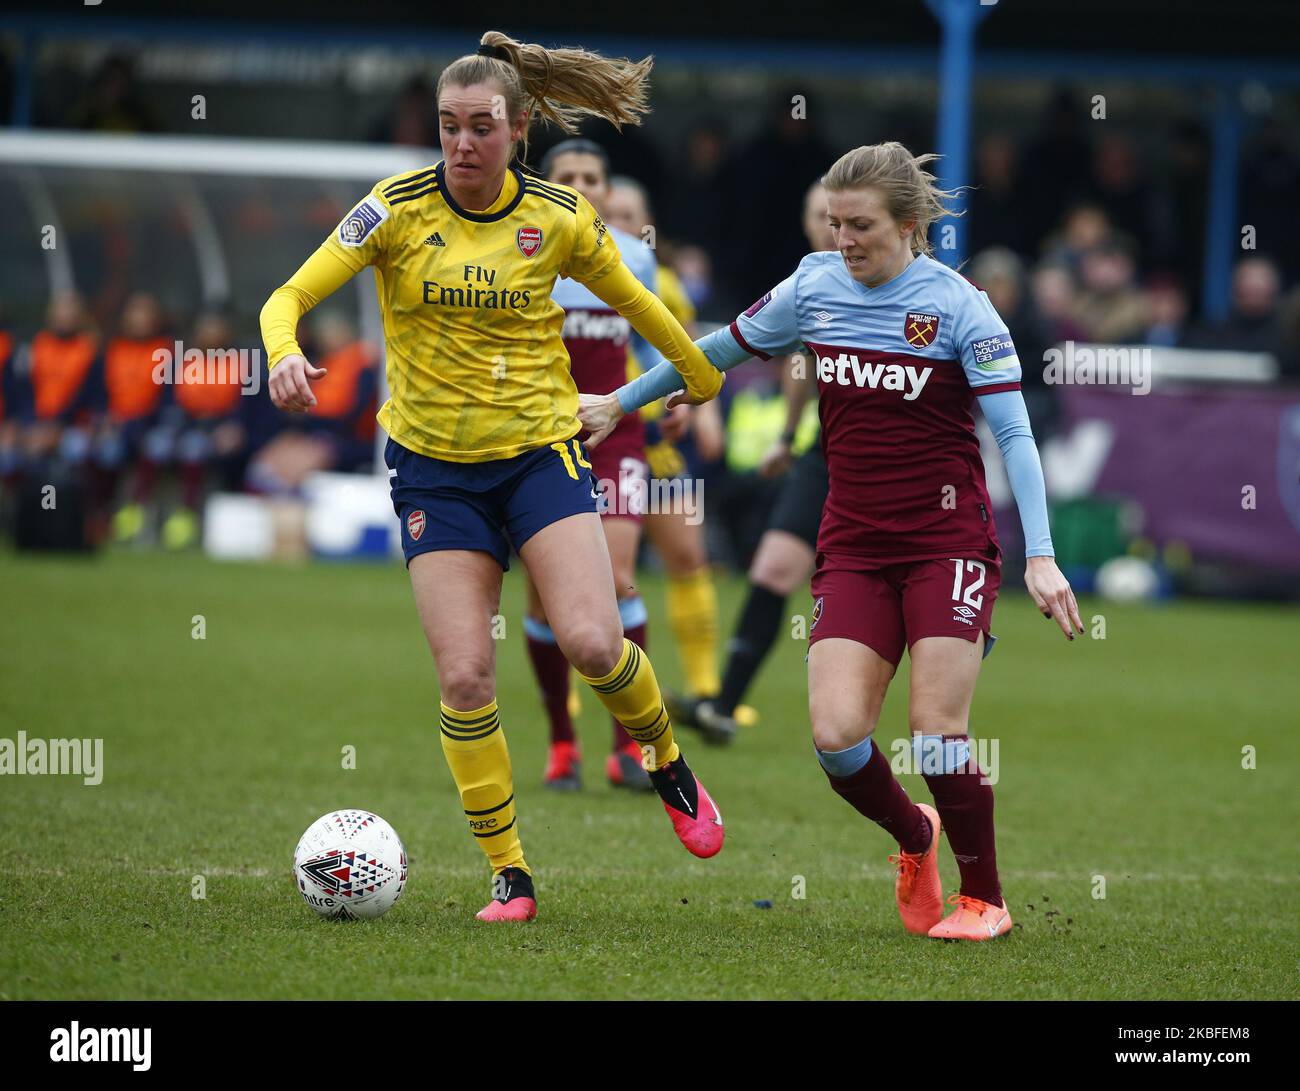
[(1121, 759)]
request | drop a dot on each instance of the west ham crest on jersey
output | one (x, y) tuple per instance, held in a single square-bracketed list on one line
[(415, 525), (920, 330), (529, 240)]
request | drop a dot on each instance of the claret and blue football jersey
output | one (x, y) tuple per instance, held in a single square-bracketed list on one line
[(898, 368)]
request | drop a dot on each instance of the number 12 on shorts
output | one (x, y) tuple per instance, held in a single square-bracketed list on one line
[(969, 597)]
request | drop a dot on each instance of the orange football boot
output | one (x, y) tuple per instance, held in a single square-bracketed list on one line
[(973, 920), (917, 888)]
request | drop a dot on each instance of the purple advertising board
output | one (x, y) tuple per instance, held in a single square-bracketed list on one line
[(1217, 468)]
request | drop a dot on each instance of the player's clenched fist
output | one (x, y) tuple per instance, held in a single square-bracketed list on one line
[(290, 388)]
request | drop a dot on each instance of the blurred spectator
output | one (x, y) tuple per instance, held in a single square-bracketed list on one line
[(114, 103), (769, 177), (65, 384), (134, 404), (1252, 325), (208, 433), (699, 193), (1054, 291), (1189, 158), (339, 433), (694, 267), (1000, 274), (1054, 172), (631, 152), (1166, 304), (1110, 306), (1084, 227), (413, 118), (1120, 186), (995, 216), (1270, 196)]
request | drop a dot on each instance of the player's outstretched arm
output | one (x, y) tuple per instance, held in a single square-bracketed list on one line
[(599, 413), (655, 322), (320, 275), (1007, 416)]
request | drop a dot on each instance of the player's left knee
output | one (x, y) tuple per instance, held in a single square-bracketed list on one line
[(593, 650)]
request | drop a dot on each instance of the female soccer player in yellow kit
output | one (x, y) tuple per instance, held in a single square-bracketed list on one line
[(483, 454)]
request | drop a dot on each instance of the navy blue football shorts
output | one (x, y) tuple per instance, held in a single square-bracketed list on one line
[(491, 507)]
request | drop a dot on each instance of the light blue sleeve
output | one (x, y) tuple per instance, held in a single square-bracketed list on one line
[(982, 342), (722, 351), (769, 327), (1007, 416)]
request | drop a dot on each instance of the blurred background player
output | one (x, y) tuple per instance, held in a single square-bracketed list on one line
[(135, 402), (787, 550), (597, 339), (208, 433), (692, 597), (338, 433)]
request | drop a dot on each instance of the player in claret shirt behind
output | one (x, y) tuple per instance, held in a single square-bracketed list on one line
[(907, 554)]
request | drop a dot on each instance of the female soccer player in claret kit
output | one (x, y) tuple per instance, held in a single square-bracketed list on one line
[(907, 555), (483, 455), (598, 341)]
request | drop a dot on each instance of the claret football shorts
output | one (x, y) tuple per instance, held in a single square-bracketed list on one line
[(891, 607), (491, 507)]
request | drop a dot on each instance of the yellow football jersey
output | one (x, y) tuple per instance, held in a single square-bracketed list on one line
[(476, 365)]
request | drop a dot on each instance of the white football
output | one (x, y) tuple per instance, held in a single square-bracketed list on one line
[(350, 865), (1127, 579)]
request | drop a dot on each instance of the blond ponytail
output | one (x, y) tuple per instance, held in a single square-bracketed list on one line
[(560, 86)]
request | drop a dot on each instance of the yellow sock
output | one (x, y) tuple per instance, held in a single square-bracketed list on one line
[(631, 694), (693, 614), (476, 752)]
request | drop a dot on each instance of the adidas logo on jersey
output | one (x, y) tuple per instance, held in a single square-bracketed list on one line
[(847, 370), (434, 240)]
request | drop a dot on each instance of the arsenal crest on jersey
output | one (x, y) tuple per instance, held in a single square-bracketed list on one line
[(415, 524), (529, 240), (920, 329)]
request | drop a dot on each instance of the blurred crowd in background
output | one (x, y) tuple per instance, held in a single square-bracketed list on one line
[(1077, 231)]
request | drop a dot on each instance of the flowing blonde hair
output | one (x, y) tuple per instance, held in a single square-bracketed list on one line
[(911, 193), (560, 86)]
